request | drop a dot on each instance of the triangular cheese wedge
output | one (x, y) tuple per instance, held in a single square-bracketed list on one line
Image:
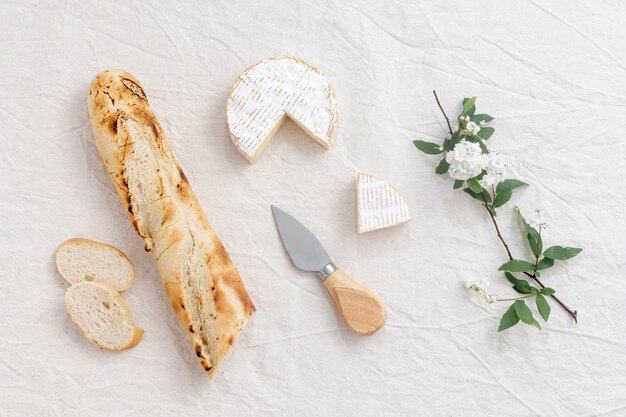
[(272, 90), (378, 204)]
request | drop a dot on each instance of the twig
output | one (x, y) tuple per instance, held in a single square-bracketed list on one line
[(569, 310), (442, 111), (516, 298), (495, 224)]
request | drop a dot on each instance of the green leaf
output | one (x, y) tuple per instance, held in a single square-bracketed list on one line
[(477, 118), (547, 291), (560, 253), (523, 287), (502, 198), (468, 104), (512, 278), (509, 319), (478, 196), (519, 285), (516, 265), (504, 191), (524, 313), (458, 184), (486, 132), (525, 224), (543, 307), (473, 184), (483, 147), (443, 166), (545, 263), (509, 184), (534, 239), (535, 242), (456, 138), (428, 147)]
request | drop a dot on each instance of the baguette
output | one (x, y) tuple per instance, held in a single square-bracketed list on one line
[(202, 284), (81, 259), (102, 315)]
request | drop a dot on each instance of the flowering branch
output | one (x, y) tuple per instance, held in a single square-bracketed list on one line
[(570, 311), (468, 160)]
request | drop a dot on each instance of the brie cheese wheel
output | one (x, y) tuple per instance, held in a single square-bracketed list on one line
[(272, 90), (379, 204)]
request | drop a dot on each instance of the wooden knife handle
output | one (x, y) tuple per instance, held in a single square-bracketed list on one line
[(361, 308)]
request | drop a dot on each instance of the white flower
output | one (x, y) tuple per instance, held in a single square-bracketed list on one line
[(482, 123), (455, 128), (472, 128), (494, 165), (480, 288), (536, 221), (466, 160)]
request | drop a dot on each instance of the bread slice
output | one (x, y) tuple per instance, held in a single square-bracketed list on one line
[(87, 260), (270, 91), (102, 315), (378, 204)]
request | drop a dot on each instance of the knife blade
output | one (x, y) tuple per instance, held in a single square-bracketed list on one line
[(304, 249), (362, 310)]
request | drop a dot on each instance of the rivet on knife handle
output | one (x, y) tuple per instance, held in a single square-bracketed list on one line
[(362, 310)]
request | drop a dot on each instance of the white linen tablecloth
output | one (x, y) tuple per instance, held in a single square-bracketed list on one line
[(553, 73)]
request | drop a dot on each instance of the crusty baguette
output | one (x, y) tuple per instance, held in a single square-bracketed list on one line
[(202, 283), (81, 259), (102, 315)]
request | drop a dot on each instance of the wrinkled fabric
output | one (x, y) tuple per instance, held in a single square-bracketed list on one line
[(552, 73)]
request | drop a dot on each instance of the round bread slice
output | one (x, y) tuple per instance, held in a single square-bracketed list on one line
[(87, 260), (103, 316)]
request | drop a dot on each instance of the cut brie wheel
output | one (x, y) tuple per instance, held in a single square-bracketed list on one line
[(272, 90), (378, 204)]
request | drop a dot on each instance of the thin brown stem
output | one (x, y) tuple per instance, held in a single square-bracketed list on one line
[(569, 310), (443, 112), (495, 224)]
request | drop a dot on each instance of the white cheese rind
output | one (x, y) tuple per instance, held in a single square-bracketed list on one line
[(379, 204), (273, 89)]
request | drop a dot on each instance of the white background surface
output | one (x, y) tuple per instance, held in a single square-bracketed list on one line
[(553, 73)]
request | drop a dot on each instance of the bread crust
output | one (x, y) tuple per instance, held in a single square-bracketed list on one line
[(94, 243), (137, 332), (201, 282)]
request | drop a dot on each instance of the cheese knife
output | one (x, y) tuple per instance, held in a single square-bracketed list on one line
[(362, 310)]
